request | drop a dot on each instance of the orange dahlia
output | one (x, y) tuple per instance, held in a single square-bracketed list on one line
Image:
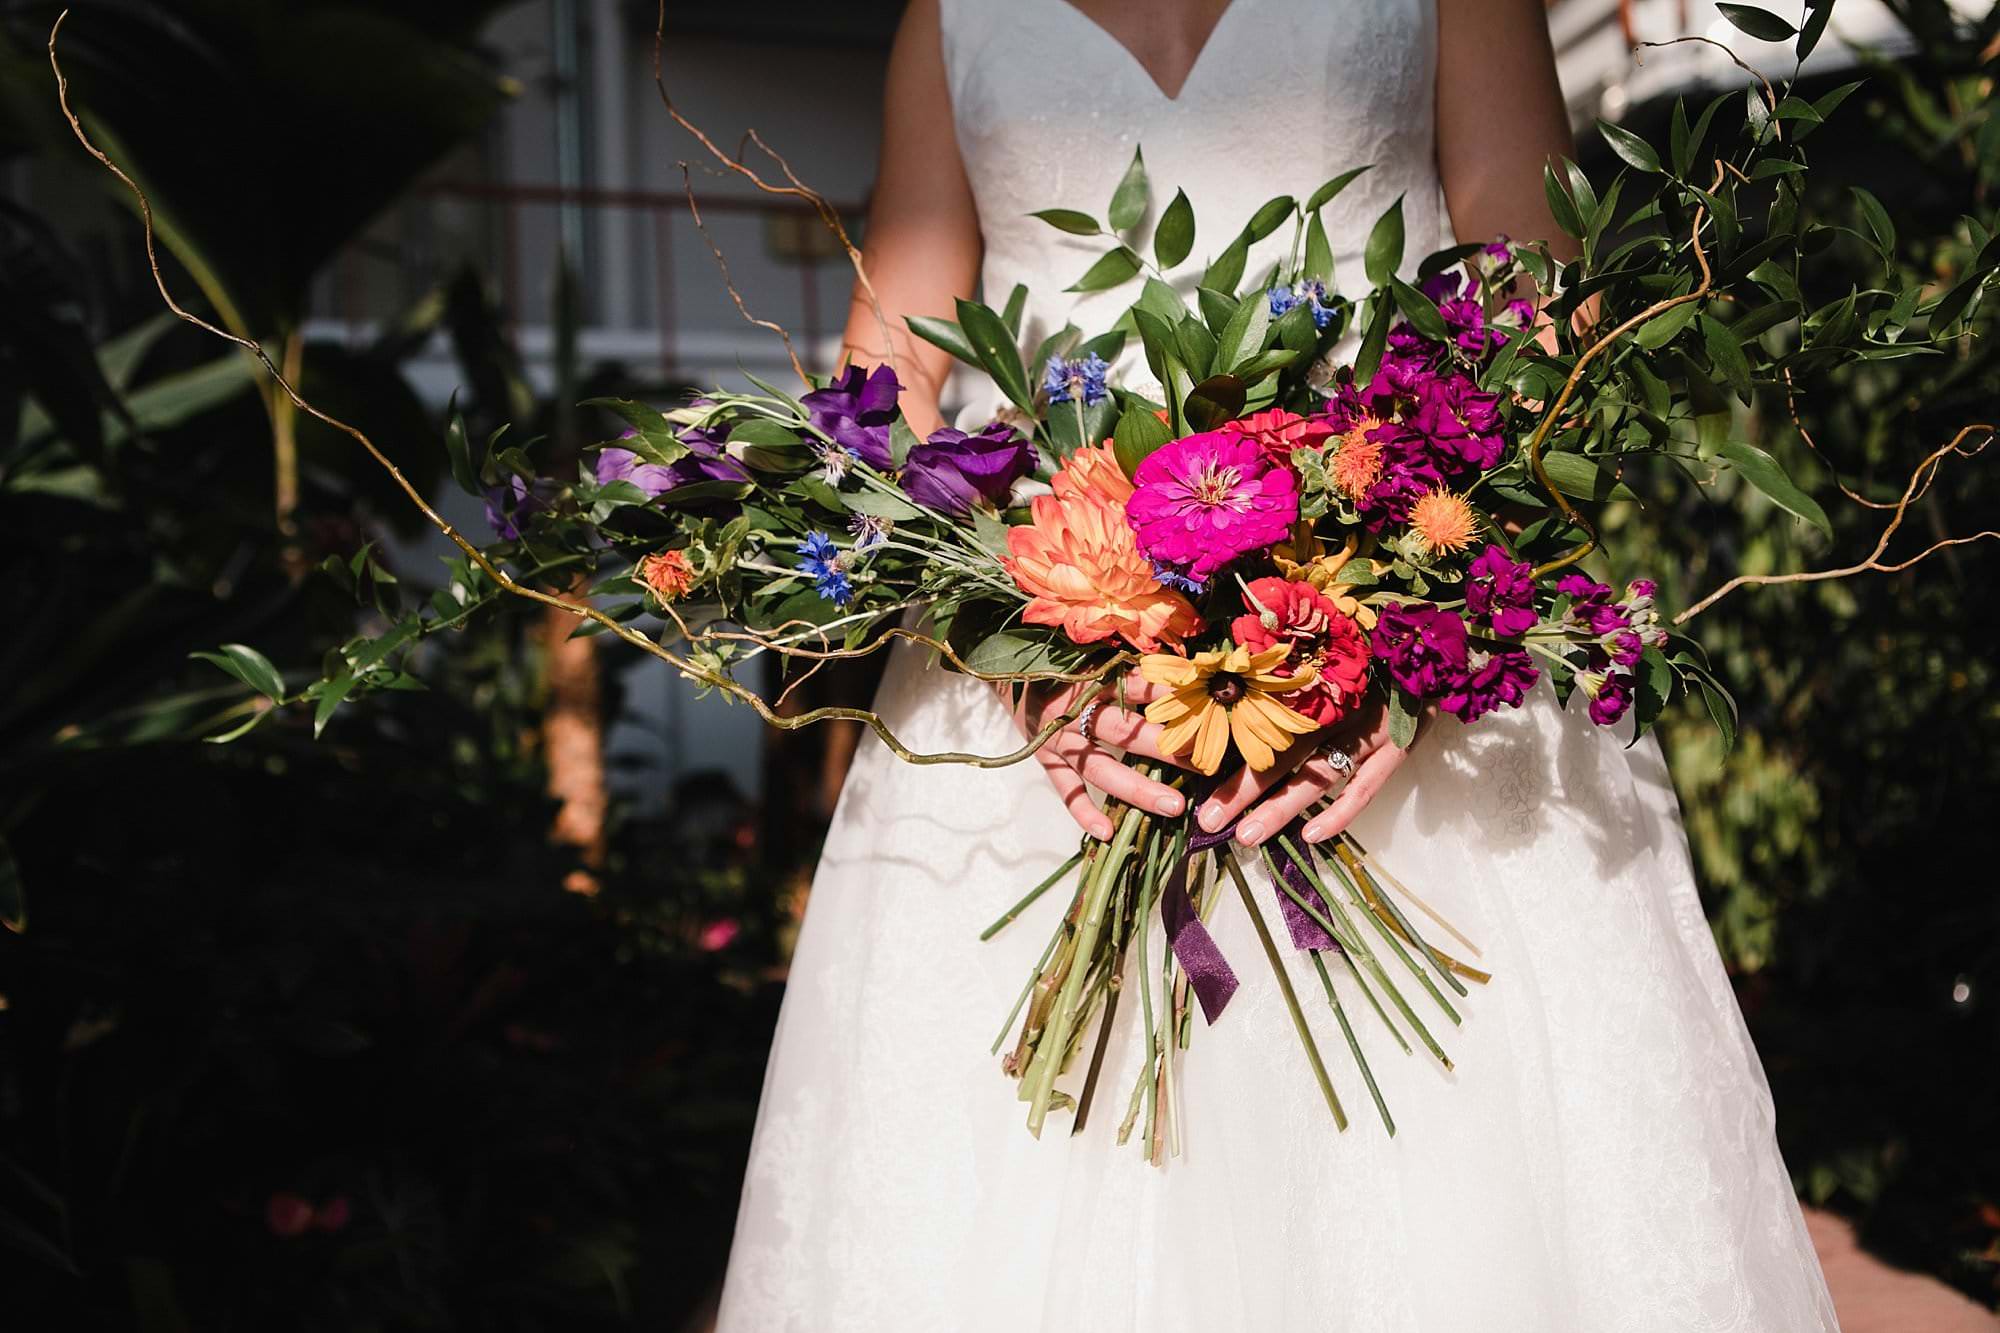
[(1079, 562), (1441, 521)]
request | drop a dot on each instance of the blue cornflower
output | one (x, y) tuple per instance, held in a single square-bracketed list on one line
[(821, 559), (869, 531), (1285, 299), (1173, 578), (1065, 381)]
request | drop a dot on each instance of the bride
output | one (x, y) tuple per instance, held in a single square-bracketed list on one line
[(1600, 1155)]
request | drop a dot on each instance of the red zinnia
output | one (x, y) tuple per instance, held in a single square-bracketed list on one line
[(1321, 636), (1279, 432)]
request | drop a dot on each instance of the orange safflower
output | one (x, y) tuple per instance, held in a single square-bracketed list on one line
[(667, 574), (1442, 521), (1356, 463)]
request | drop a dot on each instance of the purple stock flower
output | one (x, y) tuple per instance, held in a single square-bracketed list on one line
[(1610, 699), (1423, 647), (1461, 423), (952, 471), (857, 410), (1501, 591), (1626, 648), (1408, 474), (1490, 681), (1591, 605)]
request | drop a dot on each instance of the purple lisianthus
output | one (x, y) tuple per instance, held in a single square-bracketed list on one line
[(857, 410), (1501, 590), (508, 506), (1423, 647), (705, 460), (1489, 681), (1200, 502), (952, 471)]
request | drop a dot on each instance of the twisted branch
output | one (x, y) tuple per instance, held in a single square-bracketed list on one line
[(729, 285), (501, 578), (1549, 417), (796, 189), (1919, 482)]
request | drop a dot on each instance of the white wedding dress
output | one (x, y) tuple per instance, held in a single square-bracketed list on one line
[(1601, 1160)]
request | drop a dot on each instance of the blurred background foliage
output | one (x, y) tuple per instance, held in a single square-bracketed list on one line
[(301, 1033)]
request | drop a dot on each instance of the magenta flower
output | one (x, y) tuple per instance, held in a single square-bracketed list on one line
[(1423, 647), (1501, 591), (1460, 422), (1591, 605), (1200, 502), (1489, 681), (1610, 699)]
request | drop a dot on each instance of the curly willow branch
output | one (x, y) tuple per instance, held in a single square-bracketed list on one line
[(1549, 418), (797, 189), (500, 577), (1919, 482), (729, 284)]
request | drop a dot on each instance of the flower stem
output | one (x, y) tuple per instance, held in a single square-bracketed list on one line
[(1034, 893), (1285, 988), (1353, 1044)]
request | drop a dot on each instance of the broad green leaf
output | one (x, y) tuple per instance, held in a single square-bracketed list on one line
[(944, 333), (901, 440), (879, 504), (1325, 193), (1759, 23), (1243, 337), (1663, 328), (1635, 151), (1128, 201), (1069, 220), (1375, 339), (1268, 217), (1384, 252), (1139, 432), (1173, 239), (333, 692), (459, 451), (766, 433), (1820, 12), (1214, 402), (1764, 472), (1225, 271), (1115, 268), (1561, 207), (1008, 653), (1725, 353), (1878, 220), (1017, 302), (1420, 310), (1403, 710), (1215, 308), (1195, 346), (997, 352), (249, 666), (1585, 478)]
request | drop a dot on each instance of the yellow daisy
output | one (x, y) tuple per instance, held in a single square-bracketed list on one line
[(1223, 696)]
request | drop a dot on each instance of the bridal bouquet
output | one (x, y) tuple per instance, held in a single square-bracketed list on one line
[(1296, 505)]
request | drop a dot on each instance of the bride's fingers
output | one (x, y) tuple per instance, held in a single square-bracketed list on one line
[(1369, 777), (1313, 780), (1075, 796), (1114, 776), (1240, 789), (1132, 733)]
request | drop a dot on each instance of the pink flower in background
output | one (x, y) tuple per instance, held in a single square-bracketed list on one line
[(1279, 432), (288, 1215), (334, 1214), (717, 935), (1199, 503)]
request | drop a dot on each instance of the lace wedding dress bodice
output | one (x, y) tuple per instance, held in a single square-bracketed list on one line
[(1601, 1158)]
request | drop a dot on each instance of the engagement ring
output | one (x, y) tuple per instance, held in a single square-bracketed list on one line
[(1342, 762), (1088, 716)]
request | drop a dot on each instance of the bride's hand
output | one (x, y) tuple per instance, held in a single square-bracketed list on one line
[(1270, 800), (1075, 762)]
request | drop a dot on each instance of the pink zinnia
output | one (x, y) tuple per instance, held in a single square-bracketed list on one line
[(1200, 502)]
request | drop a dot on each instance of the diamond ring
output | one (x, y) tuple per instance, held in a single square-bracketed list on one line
[(1088, 716), (1342, 761)]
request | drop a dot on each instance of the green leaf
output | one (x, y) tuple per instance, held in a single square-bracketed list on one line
[(1325, 193), (1635, 151), (459, 451), (1384, 252), (1017, 301), (1195, 346), (249, 666), (995, 348), (1764, 472), (1375, 339), (1403, 711), (765, 433), (1821, 11), (1759, 23), (1174, 237), (1214, 402), (335, 690), (1243, 336), (1663, 328), (1561, 207), (1268, 217), (1128, 201), (1420, 310), (901, 440), (1585, 478), (1225, 271), (1010, 653), (1725, 353), (1216, 309), (880, 504), (1878, 220), (1138, 434), (1115, 268), (946, 334), (1069, 220)]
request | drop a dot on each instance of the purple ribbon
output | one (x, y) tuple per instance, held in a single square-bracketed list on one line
[(1209, 973)]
